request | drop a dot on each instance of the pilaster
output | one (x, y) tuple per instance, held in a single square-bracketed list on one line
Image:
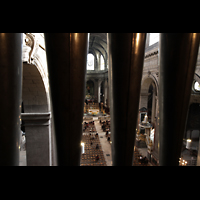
[(38, 143)]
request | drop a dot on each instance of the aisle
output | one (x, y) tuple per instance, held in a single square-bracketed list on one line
[(106, 147)]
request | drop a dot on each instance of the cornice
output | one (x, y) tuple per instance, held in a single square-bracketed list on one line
[(151, 54)]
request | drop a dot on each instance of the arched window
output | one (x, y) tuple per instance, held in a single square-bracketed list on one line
[(90, 62), (196, 86), (154, 37), (102, 63)]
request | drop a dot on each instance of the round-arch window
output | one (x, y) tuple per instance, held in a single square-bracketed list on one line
[(90, 62), (197, 86), (102, 64)]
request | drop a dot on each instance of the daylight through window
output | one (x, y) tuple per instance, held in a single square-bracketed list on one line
[(90, 62), (154, 37)]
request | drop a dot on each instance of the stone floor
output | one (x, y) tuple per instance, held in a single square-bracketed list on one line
[(106, 147)]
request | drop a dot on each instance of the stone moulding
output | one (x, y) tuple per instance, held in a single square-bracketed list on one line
[(151, 54), (36, 119)]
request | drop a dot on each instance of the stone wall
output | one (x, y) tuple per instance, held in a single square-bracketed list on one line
[(36, 101)]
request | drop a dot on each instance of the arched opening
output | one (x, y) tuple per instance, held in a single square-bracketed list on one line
[(102, 63), (89, 92), (148, 99), (90, 61), (147, 115)]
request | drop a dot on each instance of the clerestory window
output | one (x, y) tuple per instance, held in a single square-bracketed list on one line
[(196, 86), (102, 63), (90, 61)]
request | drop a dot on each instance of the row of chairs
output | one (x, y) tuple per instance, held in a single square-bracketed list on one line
[(89, 129), (91, 153)]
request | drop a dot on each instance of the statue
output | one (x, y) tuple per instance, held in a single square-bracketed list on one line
[(145, 118)]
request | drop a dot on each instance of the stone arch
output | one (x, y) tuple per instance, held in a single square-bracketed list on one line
[(44, 76), (90, 87), (149, 92), (146, 81), (197, 78), (34, 95), (35, 56)]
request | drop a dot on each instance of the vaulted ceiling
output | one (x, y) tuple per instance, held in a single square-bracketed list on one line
[(98, 43)]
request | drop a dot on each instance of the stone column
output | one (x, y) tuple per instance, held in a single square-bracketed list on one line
[(147, 40), (96, 88), (156, 125), (99, 90), (156, 114), (10, 101), (105, 91), (38, 145), (126, 56), (98, 61), (108, 102), (178, 55), (153, 114), (66, 58)]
